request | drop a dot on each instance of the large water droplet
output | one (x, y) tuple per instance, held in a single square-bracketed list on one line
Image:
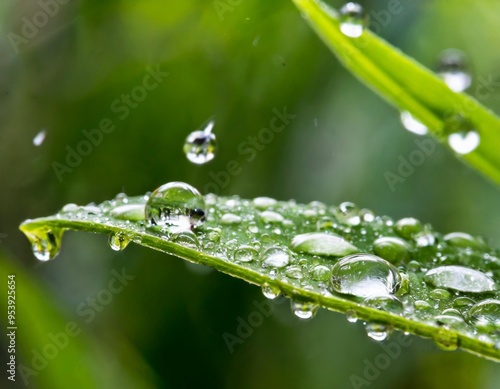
[(177, 206), (378, 331), (275, 257), (118, 241), (352, 20), (303, 310), (486, 315), (200, 146), (319, 243), (365, 275), (392, 249), (270, 292), (460, 278), (45, 242), (412, 124), (453, 69)]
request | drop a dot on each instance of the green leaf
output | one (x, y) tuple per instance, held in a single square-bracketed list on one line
[(430, 285), (409, 86)]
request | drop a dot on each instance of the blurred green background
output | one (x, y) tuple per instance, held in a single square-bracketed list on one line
[(237, 60)]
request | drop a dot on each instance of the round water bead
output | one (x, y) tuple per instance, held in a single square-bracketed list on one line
[(176, 205), (453, 70), (275, 257), (200, 146), (320, 243), (460, 278), (486, 315), (270, 292), (378, 331), (392, 249), (408, 227), (118, 241), (303, 310), (352, 20)]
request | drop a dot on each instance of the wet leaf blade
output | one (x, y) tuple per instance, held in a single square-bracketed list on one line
[(407, 85), (219, 241)]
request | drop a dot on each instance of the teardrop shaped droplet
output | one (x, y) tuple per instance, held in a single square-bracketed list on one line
[(118, 241), (460, 278), (303, 310), (365, 275), (45, 242), (176, 206), (392, 249), (453, 70), (378, 331), (412, 124), (201, 146), (39, 138), (351, 316), (352, 20), (319, 243), (270, 292)]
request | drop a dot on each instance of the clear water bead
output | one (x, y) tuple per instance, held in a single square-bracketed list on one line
[(45, 243), (275, 257), (453, 70), (412, 124), (352, 20), (270, 292), (460, 278), (485, 315), (320, 243), (176, 206), (392, 249), (200, 146), (464, 142), (118, 241), (302, 310), (378, 331)]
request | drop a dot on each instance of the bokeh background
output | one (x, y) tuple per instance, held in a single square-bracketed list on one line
[(237, 60)]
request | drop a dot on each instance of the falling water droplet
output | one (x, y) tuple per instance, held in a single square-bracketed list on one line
[(39, 138), (201, 145), (275, 257), (392, 249), (378, 331), (453, 70), (319, 243), (270, 292), (45, 243), (352, 20), (412, 124), (303, 310), (460, 278), (118, 241), (245, 254), (177, 206), (365, 275)]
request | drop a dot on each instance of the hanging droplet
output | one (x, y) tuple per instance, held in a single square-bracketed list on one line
[(365, 275), (462, 136), (453, 70), (485, 315), (446, 339), (351, 316), (319, 243), (177, 206), (275, 257), (270, 292), (378, 331), (201, 145), (303, 310), (245, 254), (412, 124), (385, 303), (118, 241), (352, 20), (45, 243), (392, 249), (460, 278), (39, 138)]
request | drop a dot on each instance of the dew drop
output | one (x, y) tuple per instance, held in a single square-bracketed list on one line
[(461, 239), (39, 138), (461, 302), (45, 243), (230, 218), (134, 212), (275, 257), (319, 243), (351, 316), (365, 275), (245, 254), (453, 70), (485, 315), (320, 273), (352, 20), (264, 202), (378, 331), (294, 272), (186, 238), (201, 145), (271, 217), (460, 278), (446, 339), (450, 317), (408, 227), (385, 303), (302, 310), (392, 249), (118, 241), (422, 305), (270, 292), (426, 239), (349, 213), (412, 124), (70, 207), (440, 294), (462, 136), (177, 206)]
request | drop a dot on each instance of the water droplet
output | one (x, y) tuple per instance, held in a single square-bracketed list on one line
[(134, 212), (245, 254), (440, 294), (294, 272), (446, 339), (270, 292), (450, 317), (39, 138), (200, 146), (264, 202), (177, 206), (385, 303), (45, 243), (186, 238), (320, 273), (412, 124), (303, 310), (461, 302), (271, 217), (349, 213), (252, 227), (367, 215), (275, 257), (326, 223), (351, 316), (230, 218), (392, 249), (118, 241), (408, 227), (365, 275), (453, 70), (422, 305), (462, 136), (70, 207), (460, 278), (426, 239), (378, 331), (319, 243), (485, 315), (461, 239), (352, 20)]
